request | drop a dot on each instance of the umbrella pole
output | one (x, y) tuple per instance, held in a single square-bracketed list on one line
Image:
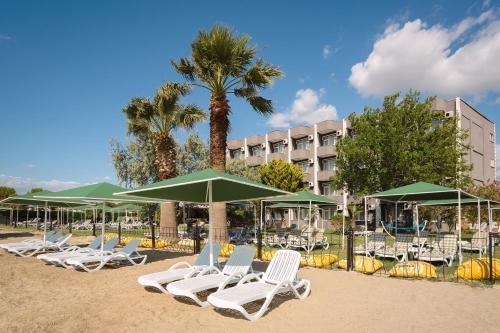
[(460, 227), (479, 224), (343, 225), (45, 223), (366, 225), (210, 223), (102, 225)]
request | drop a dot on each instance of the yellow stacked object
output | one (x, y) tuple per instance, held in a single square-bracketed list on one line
[(413, 269), (226, 250), (323, 260), (267, 255), (363, 264), (145, 242), (478, 269)]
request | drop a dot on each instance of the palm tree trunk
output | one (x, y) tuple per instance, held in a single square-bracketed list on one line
[(166, 164), (219, 125)]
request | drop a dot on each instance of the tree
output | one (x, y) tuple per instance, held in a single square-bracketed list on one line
[(6, 192), (401, 143), (159, 118), (193, 155), (135, 163), (224, 63), (239, 168), (36, 189), (280, 174)]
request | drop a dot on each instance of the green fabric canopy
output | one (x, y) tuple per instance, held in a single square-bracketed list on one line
[(207, 186), (420, 191), (127, 207), (305, 197), (454, 202), (29, 199), (194, 188), (100, 192), (291, 205)]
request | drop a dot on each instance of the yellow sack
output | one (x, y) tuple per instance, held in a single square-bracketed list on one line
[(324, 260), (478, 269), (413, 269), (267, 255), (226, 250), (363, 264)]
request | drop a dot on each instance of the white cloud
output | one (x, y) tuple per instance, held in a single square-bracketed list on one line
[(416, 56), (31, 166), (327, 50), (305, 109), (5, 38), (22, 184)]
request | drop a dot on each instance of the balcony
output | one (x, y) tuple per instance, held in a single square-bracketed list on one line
[(329, 126), (308, 177), (300, 154), (325, 151), (300, 132), (235, 144), (276, 136), (324, 176), (256, 140), (255, 160), (277, 156)]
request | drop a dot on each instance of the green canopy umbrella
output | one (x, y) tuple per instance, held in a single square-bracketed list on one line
[(304, 197), (290, 205), (419, 192), (100, 192), (207, 186), (31, 199)]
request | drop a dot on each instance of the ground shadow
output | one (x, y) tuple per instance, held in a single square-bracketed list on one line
[(16, 234)]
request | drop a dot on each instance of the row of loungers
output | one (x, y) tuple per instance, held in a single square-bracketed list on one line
[(301, 240), (236, 283), (443, 249), (90, 258)]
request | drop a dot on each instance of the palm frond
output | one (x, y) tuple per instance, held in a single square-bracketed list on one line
[(185, 68), (261, 104), (188, 115)]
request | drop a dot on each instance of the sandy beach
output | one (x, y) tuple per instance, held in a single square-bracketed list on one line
[(35, 297)]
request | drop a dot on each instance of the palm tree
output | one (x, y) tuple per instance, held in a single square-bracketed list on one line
[(158, 118), (224, 63)]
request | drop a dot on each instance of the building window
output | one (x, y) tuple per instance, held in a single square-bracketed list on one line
[(257, 151), (304, 165), (237, 154), (278, 147), (326, 189), (302, 144), (328, 140), (328, 164), (492, 137)]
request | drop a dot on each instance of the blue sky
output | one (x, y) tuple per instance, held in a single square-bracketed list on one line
[(67, 68)]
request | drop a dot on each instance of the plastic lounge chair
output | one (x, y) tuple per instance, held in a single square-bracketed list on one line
[(398, 251), (127, 253), (477, 243), (75, 250), (108, 247), (376, 241), (280, 277), (32, 249), (238, 265), (50, 236), (444, 250), (180, 270)]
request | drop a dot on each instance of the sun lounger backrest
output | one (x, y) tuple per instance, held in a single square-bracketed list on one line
[(95, 243), (131, 246), (109, 245), (240, 260), (283, 267), (448, 245), (478, 241), (203, 258)]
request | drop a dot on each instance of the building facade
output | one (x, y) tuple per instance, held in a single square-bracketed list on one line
[(313, 147)]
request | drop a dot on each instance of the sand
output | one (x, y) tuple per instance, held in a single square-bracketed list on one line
[(43, 298)]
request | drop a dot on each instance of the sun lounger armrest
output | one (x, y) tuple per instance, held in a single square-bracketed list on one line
[(208, 270), (249, 277), (72, 248), (179, 265), (230, 279)]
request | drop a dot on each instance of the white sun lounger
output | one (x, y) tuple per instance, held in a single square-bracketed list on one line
[(238, 265), (180, 270), (127, 253), (280, 277), (444, 250), (71, 250), (50, 236), (108, 247), (32, 249), (477, 244)]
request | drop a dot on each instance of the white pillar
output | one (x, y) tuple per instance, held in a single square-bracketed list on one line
[(460, 226)]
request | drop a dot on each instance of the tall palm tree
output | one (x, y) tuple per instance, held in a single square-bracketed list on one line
[(158, 118), (224, 63)]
